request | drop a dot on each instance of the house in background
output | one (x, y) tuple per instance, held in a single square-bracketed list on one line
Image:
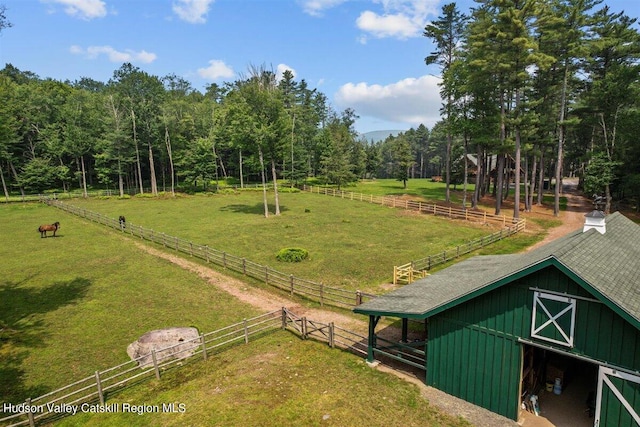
[(563, 317)]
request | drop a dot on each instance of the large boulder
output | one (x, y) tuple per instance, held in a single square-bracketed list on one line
[(170, 343)]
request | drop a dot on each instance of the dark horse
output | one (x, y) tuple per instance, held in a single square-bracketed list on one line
[(48, 227)]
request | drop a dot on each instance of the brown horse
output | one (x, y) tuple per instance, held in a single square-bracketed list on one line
[(48, 227)]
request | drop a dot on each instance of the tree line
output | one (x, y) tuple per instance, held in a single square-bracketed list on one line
[(537, 89), (532, 91)]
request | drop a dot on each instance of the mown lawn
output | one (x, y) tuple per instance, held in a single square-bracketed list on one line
[(351, 244)]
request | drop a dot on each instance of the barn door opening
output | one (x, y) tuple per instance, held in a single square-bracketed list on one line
[(573, 404), (618, 399)]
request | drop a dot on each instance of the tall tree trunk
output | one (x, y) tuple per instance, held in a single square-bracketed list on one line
[(563, 102), (479, 178), (541, 179), (84, 178), (275, 185), (15, 176), (466, 173), (447, 196), (4, 184), (120, 180), (241, 173), (499, 183), (532, 182), (516, 171), (527, 206), (167, 140), (135, 143), (152, 171), (264, 183)]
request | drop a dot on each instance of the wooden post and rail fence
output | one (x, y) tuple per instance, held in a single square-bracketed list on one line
[(417, 269), (94, 392), (318, 292)]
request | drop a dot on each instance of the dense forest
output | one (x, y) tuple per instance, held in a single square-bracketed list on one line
[(532, 91)]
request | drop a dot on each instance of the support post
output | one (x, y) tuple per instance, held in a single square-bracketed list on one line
[(99, 385)]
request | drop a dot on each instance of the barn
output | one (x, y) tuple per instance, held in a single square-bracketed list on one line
[(563, 318)]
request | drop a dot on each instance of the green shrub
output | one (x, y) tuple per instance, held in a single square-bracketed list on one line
[(292, 254)]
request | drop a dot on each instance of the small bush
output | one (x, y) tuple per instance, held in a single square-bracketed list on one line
[(292, 254)]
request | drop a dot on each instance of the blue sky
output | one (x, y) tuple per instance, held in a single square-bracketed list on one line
[(363, 54)]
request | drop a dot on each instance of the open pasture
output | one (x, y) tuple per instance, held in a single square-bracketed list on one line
[(351, 244), (71, 304)]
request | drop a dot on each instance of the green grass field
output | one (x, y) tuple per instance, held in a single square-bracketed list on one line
[(351, 244), (70, 305)]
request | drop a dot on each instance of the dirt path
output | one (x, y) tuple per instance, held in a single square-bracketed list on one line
[(258, 298), (572, 219)]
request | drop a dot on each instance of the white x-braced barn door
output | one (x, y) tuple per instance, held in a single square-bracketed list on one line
[(553, 318), (618, 399)]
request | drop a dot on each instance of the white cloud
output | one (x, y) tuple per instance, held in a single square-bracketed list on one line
[(281, 69), (192, 11), (129, 55), (83, 9), (317, 7), (400, 18), (412, 101), (217, 69)]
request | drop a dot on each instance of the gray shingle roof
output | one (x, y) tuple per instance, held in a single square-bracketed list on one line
[(609, 263)]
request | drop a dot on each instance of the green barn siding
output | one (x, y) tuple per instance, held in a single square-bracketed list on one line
[(612, 412), (487, 374), (474, 353)]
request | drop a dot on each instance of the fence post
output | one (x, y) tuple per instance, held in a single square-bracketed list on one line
[(244, 266), (155, 363), (224, 259), (291, 283), (206, 251), (246, 331), (429, 263), (395, 275), (99, 384), (176, 243), (359, 294), (204, 346), (32, 422), (331, 331), (321, 295), (504, 220), (266, 274), (190, 249), (304, 328), (284, 318)]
